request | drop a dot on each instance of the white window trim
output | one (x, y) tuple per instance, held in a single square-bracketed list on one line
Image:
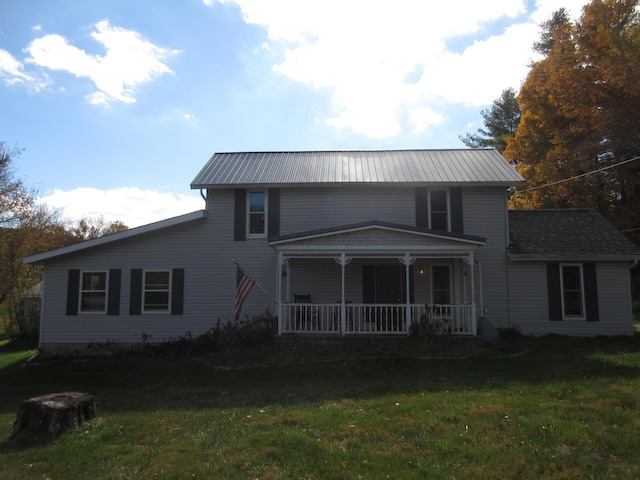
[(106, 293), (248, 214), (144, 291), (448, 205), (583, 316)]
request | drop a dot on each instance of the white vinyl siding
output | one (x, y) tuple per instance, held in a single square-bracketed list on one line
[(529, 301)]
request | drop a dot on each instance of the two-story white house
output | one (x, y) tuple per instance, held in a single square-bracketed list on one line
[(345, 243)]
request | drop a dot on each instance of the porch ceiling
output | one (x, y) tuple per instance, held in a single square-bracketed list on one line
[(377, 239)]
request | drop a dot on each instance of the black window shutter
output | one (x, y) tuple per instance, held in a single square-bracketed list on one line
[(554, 291), (591, 292), (177, 291), (422, 207), (273, 222), (240, 215), (113, 302), (455, 202), (135, 300), (73, 292)]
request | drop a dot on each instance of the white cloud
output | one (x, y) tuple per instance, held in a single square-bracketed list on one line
[(364, 52), (130, 205), (422, 118), (13, 73), (129, 61)]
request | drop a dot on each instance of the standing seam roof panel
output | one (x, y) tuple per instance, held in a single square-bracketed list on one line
[(369, 167)]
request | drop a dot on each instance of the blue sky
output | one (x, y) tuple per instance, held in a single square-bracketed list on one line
[(119, 104)]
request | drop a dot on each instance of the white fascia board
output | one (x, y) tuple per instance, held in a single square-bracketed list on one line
[(114, 237), (571, 258), (431, 234)]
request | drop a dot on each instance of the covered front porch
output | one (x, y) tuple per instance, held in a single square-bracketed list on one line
[(377, 279)]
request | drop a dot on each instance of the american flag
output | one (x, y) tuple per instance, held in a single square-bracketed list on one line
[(244, 284)]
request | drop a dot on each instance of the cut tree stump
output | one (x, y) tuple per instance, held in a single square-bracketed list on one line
[(47, 417)]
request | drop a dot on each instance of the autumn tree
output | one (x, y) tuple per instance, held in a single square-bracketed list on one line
[(28, 228), (25, 228), (15, 199), (500, 122), (90, 228), (580, 109)]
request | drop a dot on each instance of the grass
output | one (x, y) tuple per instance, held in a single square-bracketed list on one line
[(556, 408)]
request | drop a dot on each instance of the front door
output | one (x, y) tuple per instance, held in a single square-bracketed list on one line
[(383, 284)]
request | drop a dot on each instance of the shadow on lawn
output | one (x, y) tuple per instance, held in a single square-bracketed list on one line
[(290, 373)]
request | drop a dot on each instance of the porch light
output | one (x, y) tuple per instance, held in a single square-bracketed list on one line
[(421, 271)]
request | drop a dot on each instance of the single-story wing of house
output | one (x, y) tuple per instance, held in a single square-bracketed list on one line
[(344, 243)]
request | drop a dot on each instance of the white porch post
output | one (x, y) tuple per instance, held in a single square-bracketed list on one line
[(279, 264), (407, 261), (343, 261), (474, 321)]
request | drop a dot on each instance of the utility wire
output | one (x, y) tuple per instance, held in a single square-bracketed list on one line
[(577, 176)]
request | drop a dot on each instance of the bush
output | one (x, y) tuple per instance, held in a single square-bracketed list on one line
[(429, 326), (225, 338)]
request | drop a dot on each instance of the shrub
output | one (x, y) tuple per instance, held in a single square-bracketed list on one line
[(223, 338)]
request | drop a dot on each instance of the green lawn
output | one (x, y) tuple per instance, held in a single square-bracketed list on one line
[(554, 408)]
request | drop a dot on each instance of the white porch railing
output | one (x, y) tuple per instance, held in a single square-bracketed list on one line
[(375, 318)]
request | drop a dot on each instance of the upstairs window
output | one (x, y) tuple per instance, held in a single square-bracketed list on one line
[(93, 292), (257, 213), (157, 291), (439, 210)]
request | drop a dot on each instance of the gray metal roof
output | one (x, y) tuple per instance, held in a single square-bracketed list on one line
[(450, 167), (567, 233)]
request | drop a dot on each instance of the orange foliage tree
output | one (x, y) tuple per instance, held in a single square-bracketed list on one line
[(580, 107)]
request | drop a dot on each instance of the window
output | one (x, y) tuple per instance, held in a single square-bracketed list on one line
[(93, 292), (157, 291), (257, 213), (572, 292), (441, 284), (439, 210)]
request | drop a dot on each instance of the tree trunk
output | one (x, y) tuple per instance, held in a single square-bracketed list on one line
[(46, 417)]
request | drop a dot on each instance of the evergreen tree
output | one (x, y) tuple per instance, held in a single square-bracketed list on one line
[(500, 121)]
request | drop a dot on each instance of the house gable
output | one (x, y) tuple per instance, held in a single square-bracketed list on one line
[(377, 238)]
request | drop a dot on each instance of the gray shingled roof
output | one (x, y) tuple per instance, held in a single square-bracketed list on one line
[(451, 167), (572, 233)]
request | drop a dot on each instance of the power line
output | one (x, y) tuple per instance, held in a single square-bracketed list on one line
[(577, 176)]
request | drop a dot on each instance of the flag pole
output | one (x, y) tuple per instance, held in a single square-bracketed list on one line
[(259, 286)]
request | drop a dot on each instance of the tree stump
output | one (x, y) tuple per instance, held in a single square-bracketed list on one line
[(47, 417)]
